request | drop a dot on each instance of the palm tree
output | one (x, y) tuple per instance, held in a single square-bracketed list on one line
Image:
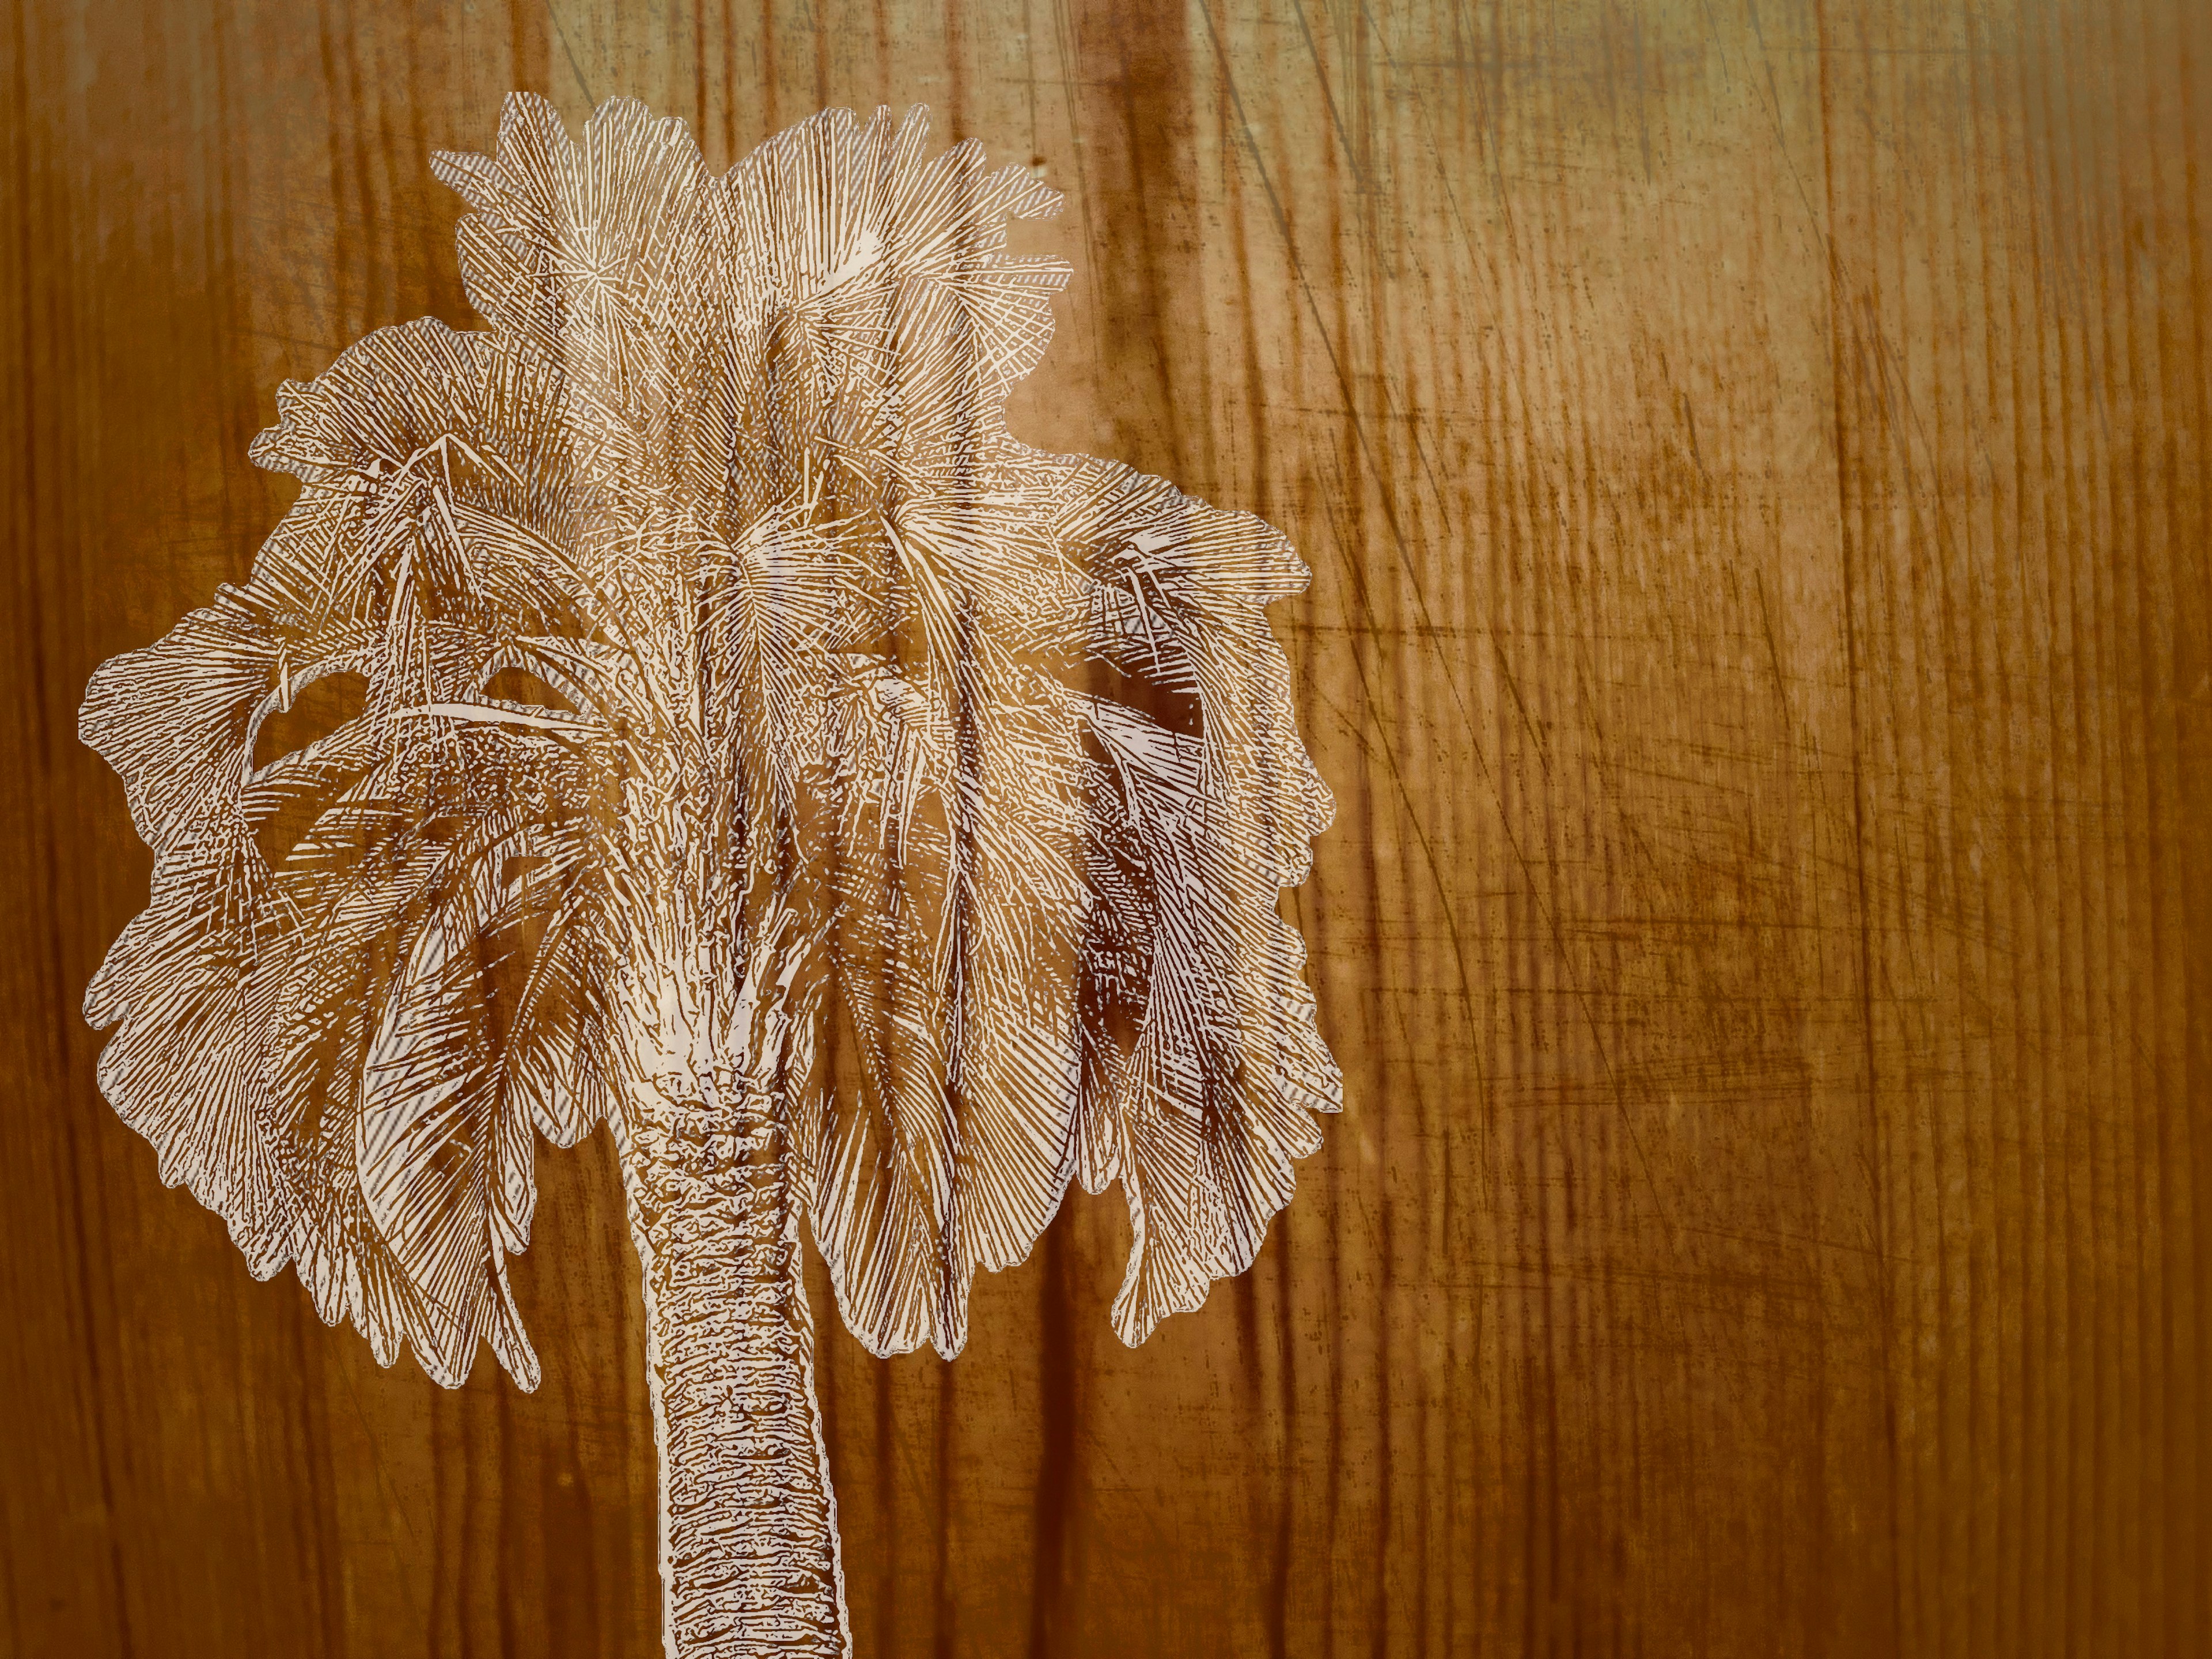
[(684, 706)]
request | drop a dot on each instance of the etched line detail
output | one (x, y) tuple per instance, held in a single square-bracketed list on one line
[(682, 705)]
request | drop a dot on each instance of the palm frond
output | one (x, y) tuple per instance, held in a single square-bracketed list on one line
[(979, 763)]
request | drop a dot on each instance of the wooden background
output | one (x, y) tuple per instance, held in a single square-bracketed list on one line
[(1753, 457)]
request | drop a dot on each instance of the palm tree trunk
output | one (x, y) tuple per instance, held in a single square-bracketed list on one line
[(748, 1522)]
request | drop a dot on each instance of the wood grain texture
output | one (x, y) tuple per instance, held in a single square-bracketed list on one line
[(1753, 459)]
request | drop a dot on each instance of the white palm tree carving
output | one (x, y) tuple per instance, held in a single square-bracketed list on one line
[(685, 706)]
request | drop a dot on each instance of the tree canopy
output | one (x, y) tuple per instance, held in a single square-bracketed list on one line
[(699, 617)]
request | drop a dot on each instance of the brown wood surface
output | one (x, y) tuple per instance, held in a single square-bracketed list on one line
[(1753, 457)]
